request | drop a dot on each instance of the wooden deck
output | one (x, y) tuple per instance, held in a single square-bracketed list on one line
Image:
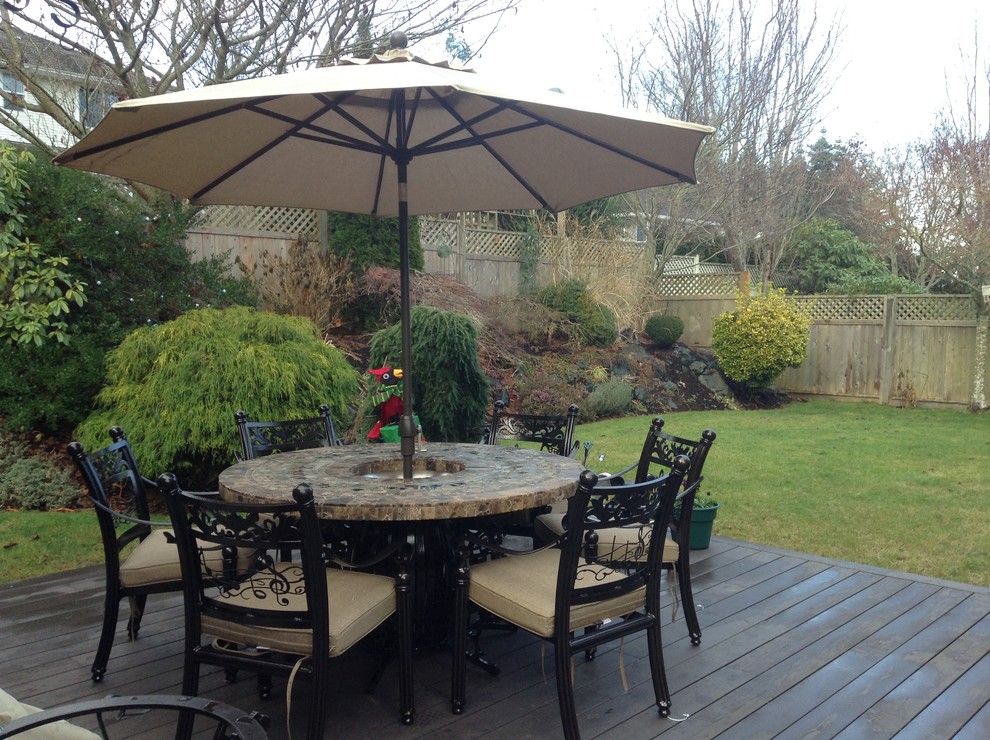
[(794, 646)]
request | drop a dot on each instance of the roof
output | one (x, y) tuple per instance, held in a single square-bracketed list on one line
[(48, 54)]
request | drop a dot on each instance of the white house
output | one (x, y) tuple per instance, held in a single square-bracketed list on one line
[(79, 84)]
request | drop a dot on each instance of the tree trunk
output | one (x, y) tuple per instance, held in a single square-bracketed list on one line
[(979, 400)]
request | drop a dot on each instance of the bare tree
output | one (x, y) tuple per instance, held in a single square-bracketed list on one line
[(951, 220), (146, 47), (759, 81)]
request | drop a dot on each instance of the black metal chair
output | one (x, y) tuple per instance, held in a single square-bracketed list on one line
[(228, 721), (260, 438), (119, 494), (556, 591), (271, 616), (554, 434), (660, 450)]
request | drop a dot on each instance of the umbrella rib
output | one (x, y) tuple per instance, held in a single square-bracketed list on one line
[(165, 128), (604, 145), (258, 153), (465, 125)]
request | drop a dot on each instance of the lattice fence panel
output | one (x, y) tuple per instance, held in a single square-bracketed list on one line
[(844, 307), (935, 308), (618, 255), (437, 233), (261, 218), (696, 285), (499, 243)]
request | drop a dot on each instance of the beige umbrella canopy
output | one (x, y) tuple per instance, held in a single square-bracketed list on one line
[(389, 136)]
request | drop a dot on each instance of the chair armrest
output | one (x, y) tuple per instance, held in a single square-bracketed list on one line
[(397, 550), (472, 544)]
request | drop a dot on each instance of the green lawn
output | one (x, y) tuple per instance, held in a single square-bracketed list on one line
[(906, 489)]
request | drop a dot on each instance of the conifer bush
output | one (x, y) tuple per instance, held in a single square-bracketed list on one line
[(664, 329), (450, 392), (174, 387), (764, 336)]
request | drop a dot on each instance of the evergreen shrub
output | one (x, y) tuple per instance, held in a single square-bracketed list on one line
[(664, 329), (137, 271), (450, 392), (174, 387), (369, 241), (611, 398), (594, 324), (764, 336)]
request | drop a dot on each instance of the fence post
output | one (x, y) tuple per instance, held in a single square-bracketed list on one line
[(460, 246), (887, 350)]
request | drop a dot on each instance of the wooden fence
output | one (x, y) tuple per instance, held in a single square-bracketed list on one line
[(898, 350)]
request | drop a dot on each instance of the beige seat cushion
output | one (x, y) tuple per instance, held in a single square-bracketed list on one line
[(155, 560), (522, 588), (549, 527), (11, 709), (359, 602)]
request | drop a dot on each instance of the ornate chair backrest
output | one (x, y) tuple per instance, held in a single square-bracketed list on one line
[(661, 449), (260, 438), (284, 595), (554, 434), (118, 492), (595, 570)]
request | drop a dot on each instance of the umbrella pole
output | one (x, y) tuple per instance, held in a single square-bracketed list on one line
[(407, 425)]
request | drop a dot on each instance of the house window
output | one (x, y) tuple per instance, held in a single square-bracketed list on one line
[(15, 87), (93, 105)]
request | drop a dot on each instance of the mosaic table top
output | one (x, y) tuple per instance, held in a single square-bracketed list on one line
[(364, 481)]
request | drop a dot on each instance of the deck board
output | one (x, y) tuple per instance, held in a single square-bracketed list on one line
[(793, 646)]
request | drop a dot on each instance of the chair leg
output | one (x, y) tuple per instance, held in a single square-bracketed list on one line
[(403, 624), (264, 686), (111, 610), (565, 690), (659, 674), (317, 720), (683, 569), (459, 649), (137, 604), (477, 656)]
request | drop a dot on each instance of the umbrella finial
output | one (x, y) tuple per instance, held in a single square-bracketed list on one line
[(398, 40)]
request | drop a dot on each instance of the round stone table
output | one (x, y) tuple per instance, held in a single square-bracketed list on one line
[(452, 483), (363, 482)]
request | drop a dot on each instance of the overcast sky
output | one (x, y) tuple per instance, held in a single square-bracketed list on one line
[(890, 72)]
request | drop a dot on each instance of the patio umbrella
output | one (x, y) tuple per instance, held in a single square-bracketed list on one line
[(393, 135)]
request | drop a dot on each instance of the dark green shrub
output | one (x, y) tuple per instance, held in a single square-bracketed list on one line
[(137, 272), (370, 241), (764, 336), (664, 329), (450, 392), (593, 323), (174, 387), (31, 482), (611, 398)]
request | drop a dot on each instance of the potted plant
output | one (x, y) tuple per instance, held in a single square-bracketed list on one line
[(702, 518)]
